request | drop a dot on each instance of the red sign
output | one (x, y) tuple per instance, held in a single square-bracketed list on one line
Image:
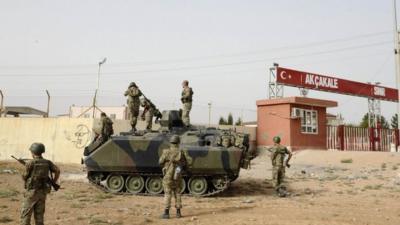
[(319, 82)]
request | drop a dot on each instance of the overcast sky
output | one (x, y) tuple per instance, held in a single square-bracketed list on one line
[(224, 48)]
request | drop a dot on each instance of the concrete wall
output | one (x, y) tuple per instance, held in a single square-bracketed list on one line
[(64, 138)]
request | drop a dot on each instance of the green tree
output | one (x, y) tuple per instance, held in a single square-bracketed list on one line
[(222, 121), (239, 122), (393, 121), (364, 121), (230, 119), (383, 122)]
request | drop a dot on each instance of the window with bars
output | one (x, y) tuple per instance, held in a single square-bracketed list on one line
[(309, 122)]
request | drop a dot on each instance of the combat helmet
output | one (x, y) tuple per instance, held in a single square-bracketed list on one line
[(175, 139), (276, 139), (37, 148), (132, 84)]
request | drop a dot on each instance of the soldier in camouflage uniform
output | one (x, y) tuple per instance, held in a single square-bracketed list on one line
[(106, 127), (278, 154), (187, 98), (149, 111), (133, 101), (37, 185), (173, 161)]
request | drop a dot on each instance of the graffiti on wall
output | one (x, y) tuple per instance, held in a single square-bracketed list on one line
[(80, 137)]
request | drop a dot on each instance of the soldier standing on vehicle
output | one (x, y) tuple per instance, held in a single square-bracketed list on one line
[(149, 110), (187, 98), (37, 186), (173, 161), (106, 127), (133, 102), (278, 154)]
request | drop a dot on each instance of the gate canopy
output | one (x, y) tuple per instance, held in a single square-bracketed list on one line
[(319, 82)]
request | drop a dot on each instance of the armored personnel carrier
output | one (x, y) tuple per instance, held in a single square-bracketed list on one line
[(128, 163)]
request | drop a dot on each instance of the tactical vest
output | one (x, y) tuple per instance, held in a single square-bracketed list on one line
[(279, 152), (173, 159), (133, 100), (108, 129), (39, 176), (189, 98)]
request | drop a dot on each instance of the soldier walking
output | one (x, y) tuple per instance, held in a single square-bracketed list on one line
[(106, 127), (37, 186), (278, 154), (173, 161), (187, 98), (133, 102)]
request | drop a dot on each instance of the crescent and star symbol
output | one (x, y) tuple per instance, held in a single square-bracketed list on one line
[(283, 75)]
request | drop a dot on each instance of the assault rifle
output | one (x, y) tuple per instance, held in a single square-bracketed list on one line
[(157, 114), (51, 181)]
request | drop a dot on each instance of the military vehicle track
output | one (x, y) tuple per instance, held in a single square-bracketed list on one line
[(113, 184), (128, 164)]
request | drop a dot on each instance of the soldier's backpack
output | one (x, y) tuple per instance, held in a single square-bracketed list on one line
[(39, 177)]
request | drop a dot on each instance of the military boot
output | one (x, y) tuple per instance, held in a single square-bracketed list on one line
[(178, 213), (133, 130), (282, 191), (166, 214)]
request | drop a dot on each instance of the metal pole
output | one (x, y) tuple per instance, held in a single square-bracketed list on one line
[(48, 103), (97, 87), (241, 117), (209, 114), (94, 103), (1, 103), (397, 56)]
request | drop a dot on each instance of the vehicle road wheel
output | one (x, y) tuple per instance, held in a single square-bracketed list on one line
[(134, 184), (219, 183), (154, 185), (183, 186), (114, 183), (198, 186)]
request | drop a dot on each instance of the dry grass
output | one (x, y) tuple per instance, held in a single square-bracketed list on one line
[(346, 161), (6, 219), (8, 193)]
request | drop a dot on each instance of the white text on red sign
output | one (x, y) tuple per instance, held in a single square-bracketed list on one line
[(320, 81)]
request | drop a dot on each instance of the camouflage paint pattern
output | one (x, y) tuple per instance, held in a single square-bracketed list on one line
[(138, 156), (141, 154)]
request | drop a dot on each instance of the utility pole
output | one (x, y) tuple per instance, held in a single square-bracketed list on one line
[(97, 87), (241, 117), (48, 103), (94, 104), (1, 103), (397, 66), (397, 56), (209, 114)]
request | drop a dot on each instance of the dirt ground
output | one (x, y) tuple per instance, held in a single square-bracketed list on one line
[(327, 188)]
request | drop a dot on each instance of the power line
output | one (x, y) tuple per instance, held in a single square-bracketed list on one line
[(290, 47), (212, 65), (244, 53)]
